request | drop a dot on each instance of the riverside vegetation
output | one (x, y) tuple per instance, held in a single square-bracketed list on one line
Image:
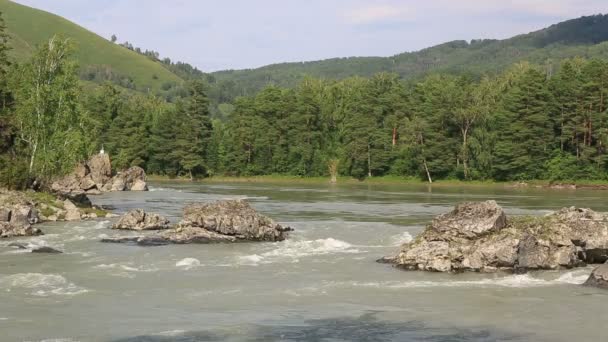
[(528, 122)]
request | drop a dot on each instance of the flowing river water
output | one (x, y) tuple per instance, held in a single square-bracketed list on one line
[(320, 285)]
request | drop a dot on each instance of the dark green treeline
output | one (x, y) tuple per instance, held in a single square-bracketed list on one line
[(523, 124), (526, 123)]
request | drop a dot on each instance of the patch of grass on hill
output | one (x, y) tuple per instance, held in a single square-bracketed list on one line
[(30, 27)]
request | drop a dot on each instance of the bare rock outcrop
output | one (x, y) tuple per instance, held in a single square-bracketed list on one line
[(478, 237), (140, 220), (95, 177), (223, 221)]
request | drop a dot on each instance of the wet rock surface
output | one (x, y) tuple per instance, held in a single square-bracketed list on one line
[(138, 219), (477, 236), (35, 249), (220, 222), (599, 277)]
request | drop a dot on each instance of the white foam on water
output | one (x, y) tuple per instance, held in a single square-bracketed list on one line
[(400, 239), (576, 277), (41, 284), (293, 250), (188, 263), (172, 333), (154, 189), (126, 269), (102, 225), (252, 260)]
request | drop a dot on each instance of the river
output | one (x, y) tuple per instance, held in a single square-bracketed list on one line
[(321, 284)]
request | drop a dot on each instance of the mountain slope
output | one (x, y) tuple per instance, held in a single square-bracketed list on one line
[(29, 27), (585, 37)]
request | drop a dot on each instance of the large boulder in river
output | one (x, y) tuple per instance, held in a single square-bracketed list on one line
[(223, 221), (100, 169), (132, 179), (478, 237), (140, 220), (599, 277)]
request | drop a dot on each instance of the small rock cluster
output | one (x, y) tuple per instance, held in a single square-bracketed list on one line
[(140, 220), (223, 221), (95, 177), (17, 216), (19, 211), (479, 237)]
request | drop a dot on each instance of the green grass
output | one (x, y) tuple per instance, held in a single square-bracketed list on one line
[(590, 184), (96, 211), (30, 27), (319, 180)]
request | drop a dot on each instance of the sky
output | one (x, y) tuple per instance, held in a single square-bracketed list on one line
[(236, 34)]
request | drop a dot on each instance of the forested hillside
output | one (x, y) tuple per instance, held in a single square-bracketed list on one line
[(530, 121), (585, 37)]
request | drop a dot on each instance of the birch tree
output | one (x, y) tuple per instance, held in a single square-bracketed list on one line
[(48, 116)]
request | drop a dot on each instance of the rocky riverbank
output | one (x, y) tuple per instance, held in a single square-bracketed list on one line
[(222, 221), (480, 237), (20, 211), (96, 176)]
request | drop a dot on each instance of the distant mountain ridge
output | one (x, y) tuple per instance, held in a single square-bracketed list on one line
[(99, 58), (585, 37)]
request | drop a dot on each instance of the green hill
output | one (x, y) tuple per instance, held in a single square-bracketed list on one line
[(29, 27), (585, 37)]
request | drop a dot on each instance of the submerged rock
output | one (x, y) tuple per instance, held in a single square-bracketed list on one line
[(140, 220), (478, 237), (220, 222), (599, 277), (35, 249)]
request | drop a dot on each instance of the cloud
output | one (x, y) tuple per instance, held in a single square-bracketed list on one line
[(377, 13), (243, 33)]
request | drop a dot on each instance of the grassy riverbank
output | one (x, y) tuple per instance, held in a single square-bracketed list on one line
[(586, 184)]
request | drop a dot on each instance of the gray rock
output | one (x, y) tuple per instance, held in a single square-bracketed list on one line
[(5, 214), (22, 215), (233, 218), (139, 185), (132, 179), (470, 220), (72, 213), (220, 222), (478, 237), (46, 249), (140, 220), (35, 249), (100, 169), (8, 230), (599, 277), (118, 184)]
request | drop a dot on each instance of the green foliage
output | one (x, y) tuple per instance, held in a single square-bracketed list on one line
[(48, 113)]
